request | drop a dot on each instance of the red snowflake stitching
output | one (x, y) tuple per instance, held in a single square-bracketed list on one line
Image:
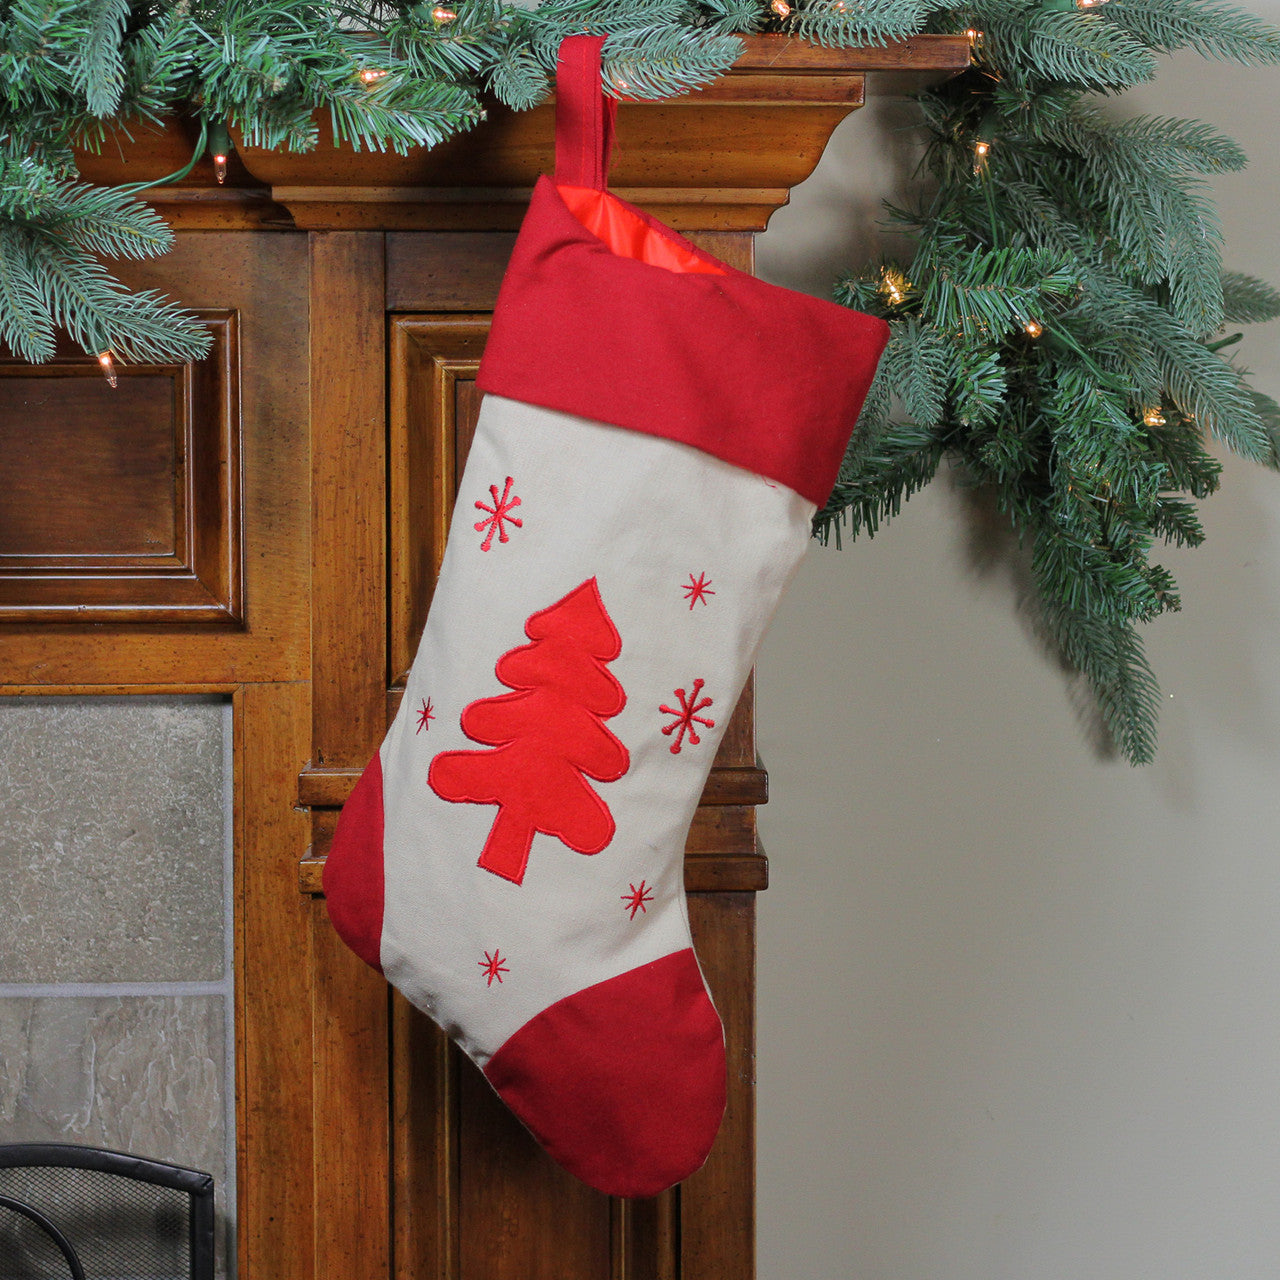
[(635, 900), (685, 717), (493, 967), (425, 717), (499, 515), (697, 589)]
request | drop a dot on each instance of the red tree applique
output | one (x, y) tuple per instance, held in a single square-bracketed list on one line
[(548, 737)]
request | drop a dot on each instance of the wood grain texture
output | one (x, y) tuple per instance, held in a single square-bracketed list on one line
[(274, 1084), (348, 504), (329, 788), (124, 505), (263, 280), (434, 407), (350, 1119), (424, 1135), (521, 1217), (448, 271), (717, 1204)]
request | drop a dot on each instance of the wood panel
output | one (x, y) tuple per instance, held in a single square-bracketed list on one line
[(350, 1118), (425, 1157), (434, 407), (348, 503), (123, 504), (275, 1097), (717, 1204), (262, 279)]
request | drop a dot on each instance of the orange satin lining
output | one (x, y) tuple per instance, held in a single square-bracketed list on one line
[(629, 236)]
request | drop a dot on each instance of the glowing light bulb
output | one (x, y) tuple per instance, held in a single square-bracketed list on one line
[(893, 287), (108, 368), (442, 15), (973, 34), (1033, 328), (220, 168), (371, 75), (1089, 4), (1153, 417), (981, 149), (781, 8)]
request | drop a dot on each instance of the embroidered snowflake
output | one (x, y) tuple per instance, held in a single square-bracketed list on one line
[(635, 900), (686, 716), (493, 967), (425, 717), (499, 515), (696, 589)]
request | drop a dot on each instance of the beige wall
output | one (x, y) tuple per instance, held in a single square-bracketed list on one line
[(1019, 1001)]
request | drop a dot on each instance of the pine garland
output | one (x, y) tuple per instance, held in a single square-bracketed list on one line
[(1057, 332)]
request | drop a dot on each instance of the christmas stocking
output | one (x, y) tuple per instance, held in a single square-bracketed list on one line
[(656, 430)]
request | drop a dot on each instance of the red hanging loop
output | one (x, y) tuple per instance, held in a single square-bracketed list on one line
[(584, 116)]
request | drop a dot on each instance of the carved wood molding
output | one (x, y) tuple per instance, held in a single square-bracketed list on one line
[(123, 505), (721, 158)]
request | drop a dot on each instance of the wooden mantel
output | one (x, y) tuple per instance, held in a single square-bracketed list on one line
[(744, 142)]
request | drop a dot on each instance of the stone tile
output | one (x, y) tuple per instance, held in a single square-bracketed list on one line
[(111, 839), (142, 1074)]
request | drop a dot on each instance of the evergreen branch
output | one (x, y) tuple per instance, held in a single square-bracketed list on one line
[(983, 292), (837, 24), (26, 326), (98, 67), (1212, 29), (876, 480), (1082, 48), (1248, 300), (918, 364), (102, 315)]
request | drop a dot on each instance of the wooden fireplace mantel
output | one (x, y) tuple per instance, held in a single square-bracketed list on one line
[(268, 526), (722, 158)]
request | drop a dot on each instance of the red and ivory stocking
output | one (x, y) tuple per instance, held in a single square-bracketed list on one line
[(656, 431)]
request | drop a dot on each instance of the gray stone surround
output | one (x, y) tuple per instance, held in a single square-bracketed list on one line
[(115, 955)]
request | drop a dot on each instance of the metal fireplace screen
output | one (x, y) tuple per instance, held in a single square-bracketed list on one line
[(76, 1213)]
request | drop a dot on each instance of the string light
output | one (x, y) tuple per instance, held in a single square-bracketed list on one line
[(781, 8), (1153, 417), (371, 75), (108, 368), (981, 150), (893, 286), (441, 15), (1089, 4), (219, 145), (1033, 328)]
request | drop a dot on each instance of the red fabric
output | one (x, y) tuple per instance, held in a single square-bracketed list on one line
[(624, 1082), (547, 735), (353, 876), (584, 116), (764, 378), (629, 236)]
